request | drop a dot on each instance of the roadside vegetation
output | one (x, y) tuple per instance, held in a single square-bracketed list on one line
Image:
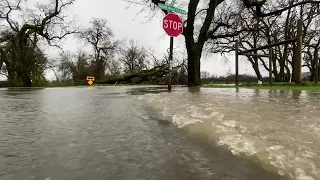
[(250, 81), (310, 86)]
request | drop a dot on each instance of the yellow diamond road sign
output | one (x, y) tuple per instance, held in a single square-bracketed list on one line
[(90, 82)]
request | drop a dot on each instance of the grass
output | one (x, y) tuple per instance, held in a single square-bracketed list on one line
[(311, 86), (213, 85)]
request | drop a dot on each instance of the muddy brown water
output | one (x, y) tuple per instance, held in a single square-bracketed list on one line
[(147, 133)]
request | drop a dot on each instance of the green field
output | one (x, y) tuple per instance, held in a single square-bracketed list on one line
[(275, 86)]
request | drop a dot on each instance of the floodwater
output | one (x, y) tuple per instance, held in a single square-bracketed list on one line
[(146, 133)]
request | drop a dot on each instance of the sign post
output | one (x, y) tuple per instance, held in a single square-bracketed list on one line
[(90, 80), (173, 26)]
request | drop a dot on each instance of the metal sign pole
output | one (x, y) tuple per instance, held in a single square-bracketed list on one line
[(173, 32), (270, 65), (170, 59)]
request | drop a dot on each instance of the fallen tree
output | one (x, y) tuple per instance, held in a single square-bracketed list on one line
[(154, 75)]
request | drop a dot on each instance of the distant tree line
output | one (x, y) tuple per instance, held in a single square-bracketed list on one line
[(230, 78)]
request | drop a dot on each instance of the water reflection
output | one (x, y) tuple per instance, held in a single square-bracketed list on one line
[(282, 92), (271, 93), (195, 90), (296, 95), (145, 90), (237, 90)]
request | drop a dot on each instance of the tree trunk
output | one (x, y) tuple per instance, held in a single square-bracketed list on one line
[(257, 70), (298, 54), (288, 74), (255, 63), (318, 71), (282, 64), (194, 57), (277, 77), (194, 49), (312, 71), (293, 63), (316, 65), (98, 66), (24, 66), (11, 75), (26, 79)]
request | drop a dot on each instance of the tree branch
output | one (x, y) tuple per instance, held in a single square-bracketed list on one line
[(236, 33), (203, 35), (215, 29), (278, 12)]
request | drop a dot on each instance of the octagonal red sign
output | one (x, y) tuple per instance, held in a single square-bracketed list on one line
[(172, 25)]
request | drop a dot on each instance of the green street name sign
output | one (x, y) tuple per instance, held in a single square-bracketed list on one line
[(171, 8)]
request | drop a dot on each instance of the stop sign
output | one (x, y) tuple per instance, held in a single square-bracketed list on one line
[(172, 25)]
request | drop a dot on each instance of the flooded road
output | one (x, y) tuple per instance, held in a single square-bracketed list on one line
[(146, 133)]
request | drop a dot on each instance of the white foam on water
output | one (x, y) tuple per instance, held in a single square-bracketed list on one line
[(301, 175), (244, 134), (238, 144), (230, 123), (182, 121)]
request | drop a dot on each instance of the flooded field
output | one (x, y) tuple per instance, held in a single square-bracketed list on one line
[(147, 133)]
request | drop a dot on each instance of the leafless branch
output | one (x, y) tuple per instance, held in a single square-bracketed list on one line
[(278, 12)]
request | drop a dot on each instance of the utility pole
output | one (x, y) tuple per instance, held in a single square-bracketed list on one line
[(298, 52), (270, 65), (237, 62)]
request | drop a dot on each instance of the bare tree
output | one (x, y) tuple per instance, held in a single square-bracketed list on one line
[(205, 74), (179, 66), (311, 20), (158, 60), (101, 38), (75, 66), (263, 31), (50, 25), (114, 68), (133, 57), (52, 65)]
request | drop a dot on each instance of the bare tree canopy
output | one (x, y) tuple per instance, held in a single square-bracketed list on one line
[(133, 57), (22, 35), (219, 19), (101, 38)]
